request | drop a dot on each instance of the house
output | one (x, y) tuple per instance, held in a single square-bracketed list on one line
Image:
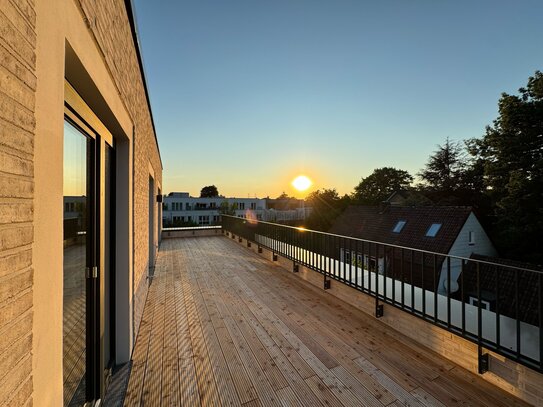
[(80, 172), (498, 281), (442, 230)]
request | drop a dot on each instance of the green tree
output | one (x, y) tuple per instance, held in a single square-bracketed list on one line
[(209, 191), (326, 205), (512, 156), (454, 177), (443, 171), (380, 184)]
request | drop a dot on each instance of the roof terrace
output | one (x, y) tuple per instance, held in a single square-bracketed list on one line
[(224, 326)]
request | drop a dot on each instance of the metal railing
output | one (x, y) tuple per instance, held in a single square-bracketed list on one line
[(497, 306), (184, 228)]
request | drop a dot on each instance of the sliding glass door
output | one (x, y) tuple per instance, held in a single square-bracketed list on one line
[(78, 241), (88, 304)]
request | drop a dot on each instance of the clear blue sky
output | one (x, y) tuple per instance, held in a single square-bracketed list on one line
[(248, 94)]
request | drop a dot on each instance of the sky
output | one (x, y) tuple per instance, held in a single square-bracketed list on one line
[(248, 94)]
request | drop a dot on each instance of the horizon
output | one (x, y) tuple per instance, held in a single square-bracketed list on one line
[(331, 90)]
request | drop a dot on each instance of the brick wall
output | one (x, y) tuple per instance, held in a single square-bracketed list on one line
[(108, 21), (17, 124)]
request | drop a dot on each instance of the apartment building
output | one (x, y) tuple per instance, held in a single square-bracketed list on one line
[(80, 172), (181, 209)]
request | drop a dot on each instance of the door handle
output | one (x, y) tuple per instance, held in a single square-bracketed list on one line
[(91, 272)]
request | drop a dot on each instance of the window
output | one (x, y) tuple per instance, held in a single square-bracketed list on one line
[(241, 205), (203, 220), (187, 206), (433, 229), (484, 304), (399, 226), (471, 237), (347, 256), (212, 205), (253, 205)]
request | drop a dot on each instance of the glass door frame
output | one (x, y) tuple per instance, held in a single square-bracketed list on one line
[(79, 115)]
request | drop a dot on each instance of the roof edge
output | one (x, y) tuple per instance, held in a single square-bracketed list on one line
[(133, 28)]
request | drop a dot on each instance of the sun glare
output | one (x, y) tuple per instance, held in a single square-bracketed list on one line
[(301, 183)]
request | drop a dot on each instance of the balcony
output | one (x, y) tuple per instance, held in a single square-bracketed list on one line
[(224, 326)]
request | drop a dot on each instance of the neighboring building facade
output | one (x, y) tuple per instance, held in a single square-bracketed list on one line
[(80, 172), (181, 209), (445, 230)]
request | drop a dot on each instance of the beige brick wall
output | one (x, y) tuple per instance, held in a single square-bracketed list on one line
[(517, 379), (17, 125), (108, 22)]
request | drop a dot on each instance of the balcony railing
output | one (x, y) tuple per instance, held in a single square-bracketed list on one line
[(497, 306)]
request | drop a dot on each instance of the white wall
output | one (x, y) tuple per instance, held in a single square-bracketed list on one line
[(462, 248)]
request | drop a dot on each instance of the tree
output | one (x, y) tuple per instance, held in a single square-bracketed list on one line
[(380, 184), (284, 195), (209, 191), (444, 168), (326, 205), (512, 153)]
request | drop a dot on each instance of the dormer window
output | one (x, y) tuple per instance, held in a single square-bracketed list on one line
[(399, 226), (433, 229)]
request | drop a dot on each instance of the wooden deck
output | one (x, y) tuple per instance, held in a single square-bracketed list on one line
[(222, 326)]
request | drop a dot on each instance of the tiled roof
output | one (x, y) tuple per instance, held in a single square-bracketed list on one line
[(376, 223), (490, 275)]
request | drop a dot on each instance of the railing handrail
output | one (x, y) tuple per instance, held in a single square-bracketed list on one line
[(182, 228), (300, 229)]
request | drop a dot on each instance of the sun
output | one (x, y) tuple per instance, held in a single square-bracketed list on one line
[(301, 183)]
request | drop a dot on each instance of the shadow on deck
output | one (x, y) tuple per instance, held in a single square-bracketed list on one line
[(222, 326)]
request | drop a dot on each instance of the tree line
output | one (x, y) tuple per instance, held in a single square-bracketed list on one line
[(500, 175)]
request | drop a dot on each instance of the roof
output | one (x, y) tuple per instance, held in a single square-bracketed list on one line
[(376, 224), (507, 273)]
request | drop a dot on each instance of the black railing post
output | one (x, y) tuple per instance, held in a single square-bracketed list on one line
[(482, 357), (448, 292), (436, 286), (463, 300)]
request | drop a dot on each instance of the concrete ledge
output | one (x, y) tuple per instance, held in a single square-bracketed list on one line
[(504, 373), (190, 233)]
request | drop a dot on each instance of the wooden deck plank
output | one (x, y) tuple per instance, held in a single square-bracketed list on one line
[(140, 356), (207, 387), (223, 326), (426, 398), (170, 388), (225, 385), (240, 377), (288, 398), (389, 383), (152, 386)]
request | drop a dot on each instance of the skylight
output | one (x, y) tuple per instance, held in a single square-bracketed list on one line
[(432, 230), (399, 226)]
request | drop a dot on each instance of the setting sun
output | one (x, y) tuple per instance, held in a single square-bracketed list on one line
[(301, 183)]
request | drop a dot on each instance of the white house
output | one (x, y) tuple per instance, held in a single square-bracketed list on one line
[(446, 230)]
